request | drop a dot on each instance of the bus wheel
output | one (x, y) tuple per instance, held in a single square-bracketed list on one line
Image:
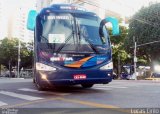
[(40, 88), (87, 85)]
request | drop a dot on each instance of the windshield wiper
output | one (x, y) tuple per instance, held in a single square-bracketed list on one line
[(90, 44), (67, 39), (44, 38), (78, 33), (62, 46), (46, 41)]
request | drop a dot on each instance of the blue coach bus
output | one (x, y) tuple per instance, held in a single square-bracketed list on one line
[(71, 46)]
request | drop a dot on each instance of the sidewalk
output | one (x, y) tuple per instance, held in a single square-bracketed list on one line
[(139, 81), (153, 79), (13, 80)]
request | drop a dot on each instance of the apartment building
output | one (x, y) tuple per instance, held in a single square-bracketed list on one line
[(3, 21), (102, 8), (0, 9)]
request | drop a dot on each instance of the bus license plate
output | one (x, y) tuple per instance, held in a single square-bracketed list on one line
[(79, 76)]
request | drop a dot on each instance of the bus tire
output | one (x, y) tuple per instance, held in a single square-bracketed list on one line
[(40, 88), (87, 85)]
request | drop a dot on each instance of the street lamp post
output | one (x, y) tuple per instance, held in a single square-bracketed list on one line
[(135, 49), (19, 59), (135, 57), (9, 63)]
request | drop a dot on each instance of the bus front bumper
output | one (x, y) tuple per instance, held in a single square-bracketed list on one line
[(67, 78)]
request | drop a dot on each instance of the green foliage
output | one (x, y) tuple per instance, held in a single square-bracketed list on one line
[(144, 25), (118, 50), (26, 57), (9, 53), (119, 40)]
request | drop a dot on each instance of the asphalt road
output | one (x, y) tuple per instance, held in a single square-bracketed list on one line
[(22, 94)]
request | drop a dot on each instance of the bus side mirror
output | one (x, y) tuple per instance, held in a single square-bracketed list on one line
[(31, 19), (114, 22)]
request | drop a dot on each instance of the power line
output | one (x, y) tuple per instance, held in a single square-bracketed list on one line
[(146, 43), (143, 20), (90, 3), (140, 20), (147, 22)]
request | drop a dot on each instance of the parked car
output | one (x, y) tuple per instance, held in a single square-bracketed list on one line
[(7, 74), (156, 75), (125, 76)]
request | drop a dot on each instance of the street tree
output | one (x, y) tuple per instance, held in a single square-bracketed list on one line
[(26, 56), (9, 54), (119, 54), (144, 26)]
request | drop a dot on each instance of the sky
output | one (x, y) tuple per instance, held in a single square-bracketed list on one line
[(126, 7), (10, 9), (117, 5), (123, 7)]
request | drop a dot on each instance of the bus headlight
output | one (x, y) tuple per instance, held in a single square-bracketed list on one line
[(40, 66), (107, 66), (44, 77)]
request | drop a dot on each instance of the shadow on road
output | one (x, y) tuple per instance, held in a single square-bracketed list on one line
[(74, 89)]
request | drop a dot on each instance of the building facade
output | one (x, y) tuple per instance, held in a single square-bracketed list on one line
[(13, 19), (3, 23), (90, 5), (21, 24), (0, 9), (102, 8)]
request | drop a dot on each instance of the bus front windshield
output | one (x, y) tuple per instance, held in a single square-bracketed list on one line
[(72, 33)]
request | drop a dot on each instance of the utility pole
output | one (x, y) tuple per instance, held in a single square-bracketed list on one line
[(9, 63), (19, 59), (19, 42), (135, 57), (119, 66)]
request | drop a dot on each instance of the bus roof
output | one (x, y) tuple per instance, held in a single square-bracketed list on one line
[(66, 8)]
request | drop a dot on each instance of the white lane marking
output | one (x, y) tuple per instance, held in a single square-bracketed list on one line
[(30, 90), (46, 92), (2, 103), (21, 96), (102, 88), (116, 87), (122, 87)]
